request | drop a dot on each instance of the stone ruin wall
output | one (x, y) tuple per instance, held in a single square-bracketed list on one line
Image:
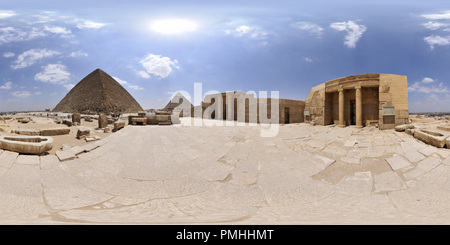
[(377, 90)]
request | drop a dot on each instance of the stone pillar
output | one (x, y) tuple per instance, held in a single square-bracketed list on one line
[(102, 120), (76, 118), (358, 106), (341, 107)]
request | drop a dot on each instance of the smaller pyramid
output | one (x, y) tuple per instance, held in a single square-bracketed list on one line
[(179, 102), (98, 93)]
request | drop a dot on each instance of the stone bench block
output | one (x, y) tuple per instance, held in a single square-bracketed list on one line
[(55, 131), (430, 137), (26, 144)]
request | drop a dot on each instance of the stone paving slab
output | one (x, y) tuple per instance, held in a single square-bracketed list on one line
[(388, 181), (398, 162), (231, 175), (423, 167), (65, 155), (26, 159), (7, 158)]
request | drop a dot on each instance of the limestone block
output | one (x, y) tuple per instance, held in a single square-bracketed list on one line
[(139, 120), (27, 131), (102, 120), (93, 138), (88, 118), (83, 132), (25, 120), (111, 120), (65, 155), (164, 123), (403, 127), (151, 119), (118, 125), (163, 118), (55, 131), (67, 122), (108, 129), (26, 144), (76, 118), (430, 137), (409, 131)]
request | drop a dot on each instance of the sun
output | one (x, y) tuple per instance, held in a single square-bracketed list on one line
[(173, 26)]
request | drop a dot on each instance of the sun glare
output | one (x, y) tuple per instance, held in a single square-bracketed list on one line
[(173, 26)]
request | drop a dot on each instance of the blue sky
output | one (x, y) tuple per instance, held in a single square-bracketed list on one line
[(154, 48)]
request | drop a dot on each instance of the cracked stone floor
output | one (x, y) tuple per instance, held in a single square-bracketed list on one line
[(231, 175)]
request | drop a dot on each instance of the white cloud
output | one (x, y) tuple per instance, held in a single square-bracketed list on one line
[(354, 31), (143, 74), (308, 26), (6, 14), (427, 80), (423, 87), (434, 25), (37, 93), (87, 24), (6, 86), (442, 16), (248, 31), (53, 73), (437, 40), (135, 87), (31, 56), (21, 94), (57, 30), (307, 59), (69, 86), (158, 66), (122, 82), (11, 34), (433, 97), (78, 54), (8, 54)]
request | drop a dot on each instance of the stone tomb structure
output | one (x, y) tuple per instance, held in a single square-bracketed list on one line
[(361, 100), (241, 107)]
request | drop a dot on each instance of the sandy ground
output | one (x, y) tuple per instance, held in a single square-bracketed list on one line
[(232, 175), (59, 140)]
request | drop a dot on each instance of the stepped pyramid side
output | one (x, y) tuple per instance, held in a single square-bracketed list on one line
[(98, 92), (179, 100)]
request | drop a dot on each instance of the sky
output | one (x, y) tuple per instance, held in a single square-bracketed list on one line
[(156, 48)]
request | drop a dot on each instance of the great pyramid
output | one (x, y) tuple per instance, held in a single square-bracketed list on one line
[(98, 92)]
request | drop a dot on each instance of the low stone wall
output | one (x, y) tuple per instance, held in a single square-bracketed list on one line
[(55, 131), (153, 119), (41, 132), (26, 131)]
